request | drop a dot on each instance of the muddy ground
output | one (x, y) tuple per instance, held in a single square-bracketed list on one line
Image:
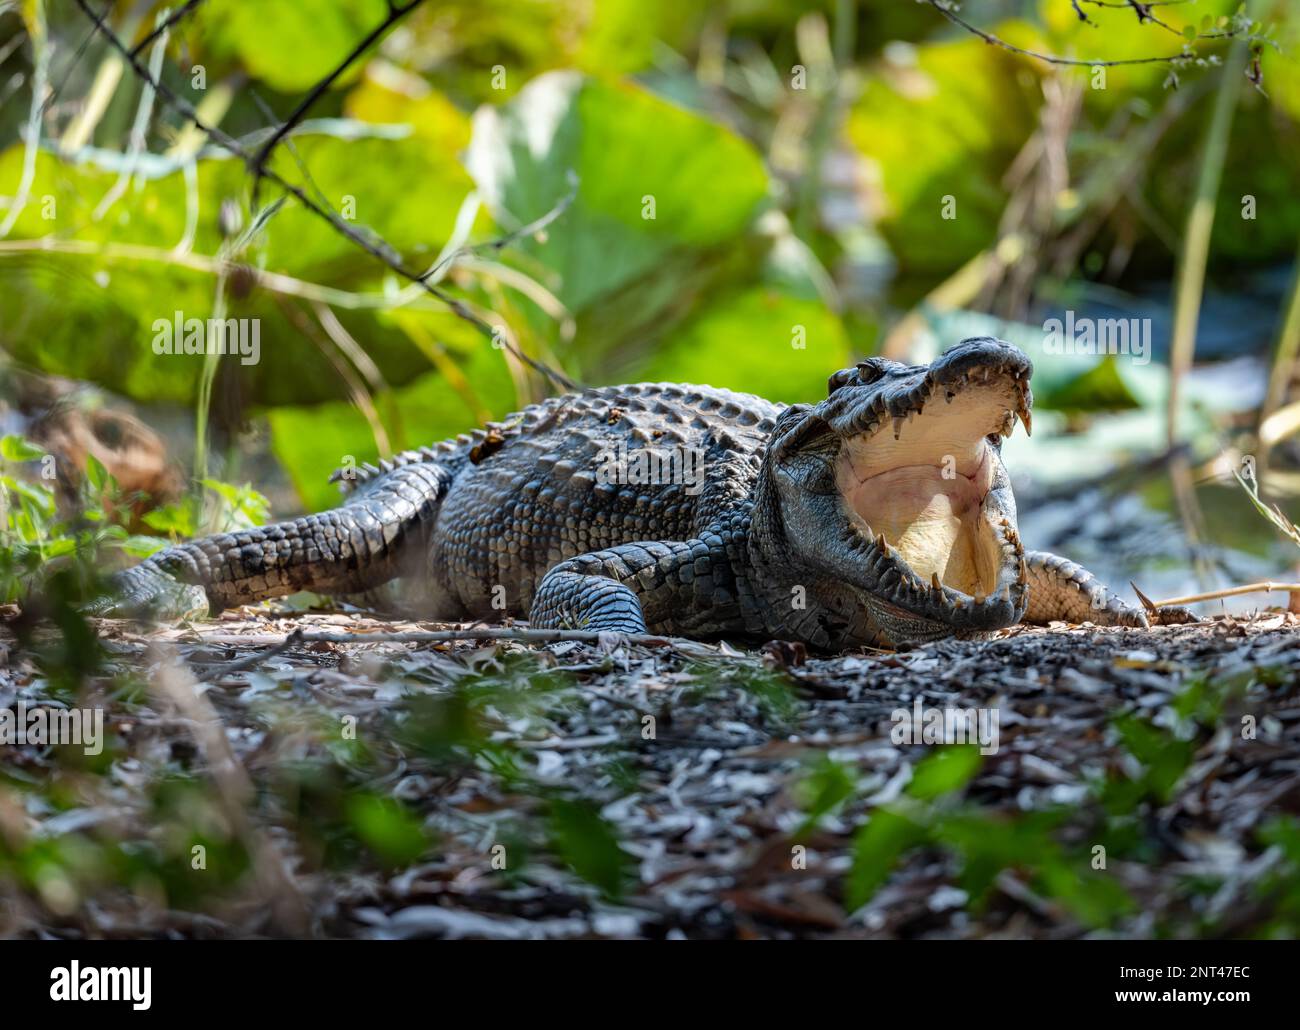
[(1144, 783)]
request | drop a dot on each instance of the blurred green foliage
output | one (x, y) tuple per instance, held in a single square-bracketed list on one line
[(748, 180)]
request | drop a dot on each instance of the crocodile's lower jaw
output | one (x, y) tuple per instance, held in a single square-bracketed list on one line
[(899, 626)]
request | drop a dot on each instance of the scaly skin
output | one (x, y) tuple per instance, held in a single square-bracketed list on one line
[(530, 517)]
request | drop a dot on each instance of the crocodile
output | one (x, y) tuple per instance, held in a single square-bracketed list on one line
[(880, 516)]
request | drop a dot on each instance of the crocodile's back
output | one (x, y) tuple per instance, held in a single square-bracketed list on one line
[(610, 465)]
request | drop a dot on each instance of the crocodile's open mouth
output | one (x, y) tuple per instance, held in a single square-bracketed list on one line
[(920, 477)]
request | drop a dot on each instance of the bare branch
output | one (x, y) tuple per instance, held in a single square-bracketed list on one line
[(949, 10), (171, 20)]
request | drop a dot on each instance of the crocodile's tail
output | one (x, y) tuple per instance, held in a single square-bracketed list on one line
[(374, 537)]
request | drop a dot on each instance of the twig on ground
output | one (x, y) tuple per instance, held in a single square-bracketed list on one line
[(1214, 595), (516, 633), (250, 661)]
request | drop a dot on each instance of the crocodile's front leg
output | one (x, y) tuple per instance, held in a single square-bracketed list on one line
[(682, 588), (1060, 590)]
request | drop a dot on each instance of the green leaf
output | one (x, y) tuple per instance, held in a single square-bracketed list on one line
[(1164, 757), (96, 475), (652, 178), (945, 771), (41, 497), (1101, 387), (126, 289), (15, 448), (928, 127), (390, 830), (876, 850), (142, 546), (311, 442), (288, 44), (750, 341), (827, 787), (588, 844)]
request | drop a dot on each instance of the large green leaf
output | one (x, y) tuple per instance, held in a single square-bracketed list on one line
[(750, 341), (946, 124), (92, 314), (630, 151), (288, 44)]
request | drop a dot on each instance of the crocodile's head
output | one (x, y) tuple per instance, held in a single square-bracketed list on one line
[(889, 501)]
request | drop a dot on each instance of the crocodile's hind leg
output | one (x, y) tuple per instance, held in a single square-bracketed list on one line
[(1060, 590), (366, 542)]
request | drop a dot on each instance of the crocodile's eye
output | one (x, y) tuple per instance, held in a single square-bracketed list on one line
[(869, 371), (837, 379)]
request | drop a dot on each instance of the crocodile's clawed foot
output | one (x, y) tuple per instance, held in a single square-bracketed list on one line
[(610, 641), (146, 592), (1164, 615), (1174, 615), (1120, 614)]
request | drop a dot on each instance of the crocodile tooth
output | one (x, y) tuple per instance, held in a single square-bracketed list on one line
[(935, 586), (979, 599), (883, 544), (1022, 409)]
